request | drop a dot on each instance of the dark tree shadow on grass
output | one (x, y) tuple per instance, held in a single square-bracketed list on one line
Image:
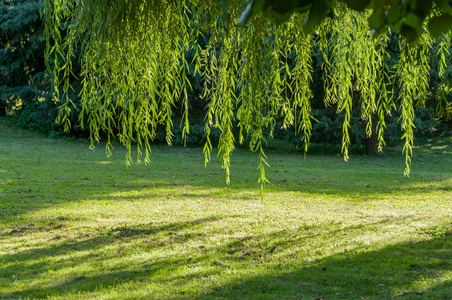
[(392, 272)]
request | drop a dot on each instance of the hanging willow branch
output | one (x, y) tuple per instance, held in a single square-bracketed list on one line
[(134, 70), (413, 73)]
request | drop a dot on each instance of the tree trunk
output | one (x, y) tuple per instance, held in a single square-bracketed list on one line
[(372, 141), (372, 144)]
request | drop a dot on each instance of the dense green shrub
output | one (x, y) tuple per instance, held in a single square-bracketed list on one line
[(25, 92), (327, 130), (24, 89), (41, 115), (22, 45)]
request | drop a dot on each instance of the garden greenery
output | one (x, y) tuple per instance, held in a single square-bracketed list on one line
[(134, 67), (22, 44)]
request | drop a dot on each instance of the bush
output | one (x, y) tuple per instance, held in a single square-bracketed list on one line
[(22, 45)]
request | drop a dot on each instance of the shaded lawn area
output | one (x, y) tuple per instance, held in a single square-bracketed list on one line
[(75, 224)]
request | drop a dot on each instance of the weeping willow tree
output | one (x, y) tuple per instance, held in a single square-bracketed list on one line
[(134, 69)]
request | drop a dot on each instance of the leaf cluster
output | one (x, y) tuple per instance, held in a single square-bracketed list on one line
[(135, 71), (408, 17)]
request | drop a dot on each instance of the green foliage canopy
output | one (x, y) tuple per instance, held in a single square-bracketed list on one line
[(134, 68), (406, 16)]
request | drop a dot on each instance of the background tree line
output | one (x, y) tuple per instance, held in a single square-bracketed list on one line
[(25, 90)]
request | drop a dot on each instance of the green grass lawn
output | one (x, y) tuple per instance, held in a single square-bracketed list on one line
[(75, 224)]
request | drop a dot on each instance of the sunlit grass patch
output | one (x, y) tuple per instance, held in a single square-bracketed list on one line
[(76, 225)]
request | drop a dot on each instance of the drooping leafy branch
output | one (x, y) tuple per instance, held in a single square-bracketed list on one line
[(134, 66)]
